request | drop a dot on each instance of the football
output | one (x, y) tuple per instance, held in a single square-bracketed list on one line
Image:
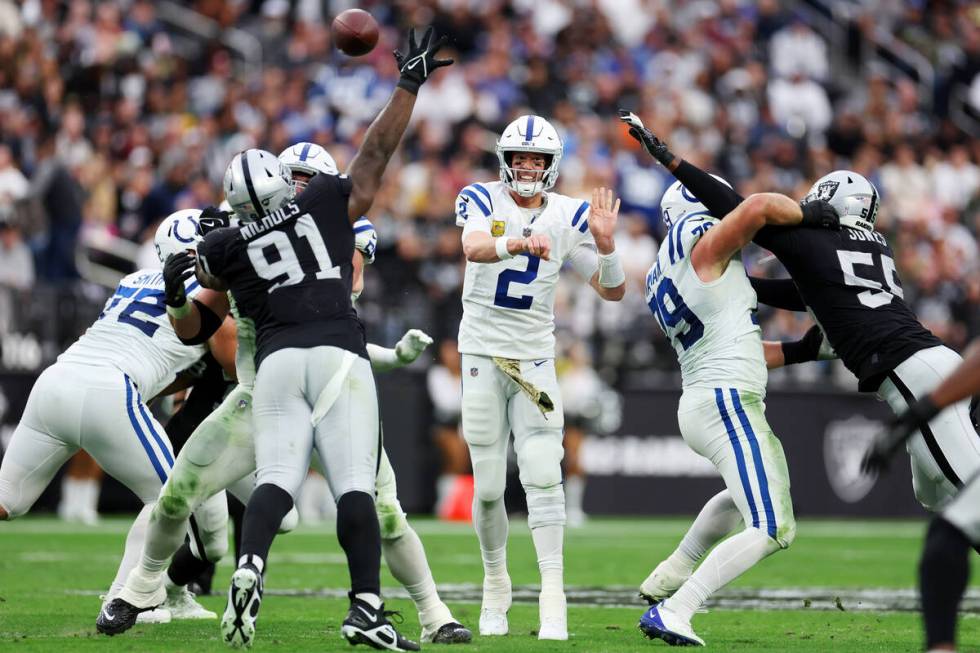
[(355, 32)]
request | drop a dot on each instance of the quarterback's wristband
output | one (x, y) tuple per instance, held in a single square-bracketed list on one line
[(611, 273), (501, 246), (179, 312)]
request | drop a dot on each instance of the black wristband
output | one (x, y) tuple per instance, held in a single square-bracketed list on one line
[(210, 323), (798, 351), (409, 85)]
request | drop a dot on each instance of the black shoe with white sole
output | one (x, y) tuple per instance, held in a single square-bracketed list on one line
[(452, 633), (117, 616), (368, 625)]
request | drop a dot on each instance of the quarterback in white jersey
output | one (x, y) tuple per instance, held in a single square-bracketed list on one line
[(93, 398), (516, 238), (700, 295)]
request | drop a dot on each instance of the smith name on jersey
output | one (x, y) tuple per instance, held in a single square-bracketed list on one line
[(134, 335), (508, 306), (849, 281), (712, 325), (290, 273)]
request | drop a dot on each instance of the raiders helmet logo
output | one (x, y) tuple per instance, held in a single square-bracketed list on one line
[(826, 190)]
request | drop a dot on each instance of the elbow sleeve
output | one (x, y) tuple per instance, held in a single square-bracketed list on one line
[(210, 323)]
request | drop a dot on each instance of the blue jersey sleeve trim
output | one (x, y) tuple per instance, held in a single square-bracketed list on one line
[(579, 213), (476, 198)]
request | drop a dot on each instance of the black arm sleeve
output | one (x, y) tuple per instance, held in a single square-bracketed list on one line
[(210, 323), (719, 199), (780, 293)]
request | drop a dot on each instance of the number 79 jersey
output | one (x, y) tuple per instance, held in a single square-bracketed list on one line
[(508, 306), (712, 325), (134, 335), (290, 272)]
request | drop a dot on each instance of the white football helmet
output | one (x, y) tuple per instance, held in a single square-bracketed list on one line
[(256, 184), (854, 197), (308, 159), (678, 203), (177, 233), (529, 134), (365, 239)]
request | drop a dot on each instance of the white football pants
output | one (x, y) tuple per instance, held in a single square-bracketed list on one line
[(946, 453), (728, 427)]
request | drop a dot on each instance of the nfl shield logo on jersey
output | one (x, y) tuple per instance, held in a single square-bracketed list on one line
[(474, 371), (527, 232)]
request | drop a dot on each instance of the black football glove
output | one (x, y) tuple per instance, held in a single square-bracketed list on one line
[(901, 429), (420, 62), (212, 218), (176, 270), (656, 147), (805, 349), (820, 214)]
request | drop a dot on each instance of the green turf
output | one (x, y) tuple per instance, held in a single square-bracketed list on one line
[(49, 573)]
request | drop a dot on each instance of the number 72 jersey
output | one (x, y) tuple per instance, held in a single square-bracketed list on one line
[(712, 325)]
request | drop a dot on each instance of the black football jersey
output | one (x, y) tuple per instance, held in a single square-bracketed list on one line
[(848, 279), (291, 271)]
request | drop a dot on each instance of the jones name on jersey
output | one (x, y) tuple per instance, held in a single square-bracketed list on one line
[(509, 305), (134, 335), (712, 325)]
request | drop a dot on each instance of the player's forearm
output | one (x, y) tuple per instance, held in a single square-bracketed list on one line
[(481, 247), (778, 293), (963, 382), (774, 354), (719, 199), (383, 359), (379, 144), (186, 320)]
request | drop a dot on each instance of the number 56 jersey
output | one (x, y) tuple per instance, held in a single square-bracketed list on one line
[(712, 325), (508, 306)]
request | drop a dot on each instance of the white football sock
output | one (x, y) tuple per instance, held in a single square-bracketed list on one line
[(548, 545), (371, 599), (163, 537), (717, 518), (728, 561), (89, 500), (490, 520), (574, 493), (68, 503), (406, 560), (134, 547), (444, 489)]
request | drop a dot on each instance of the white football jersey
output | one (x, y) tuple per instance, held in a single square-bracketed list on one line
[(508, 306), (245, 351), (134, 335), (713, 326)]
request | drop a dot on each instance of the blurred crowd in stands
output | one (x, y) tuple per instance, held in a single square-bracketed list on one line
[(115, 113)]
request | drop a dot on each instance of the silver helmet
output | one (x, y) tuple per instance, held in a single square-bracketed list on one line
[(256, 184), (854, 197)]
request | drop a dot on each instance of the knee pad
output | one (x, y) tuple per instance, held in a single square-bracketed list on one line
[(545, 507), (482, 421), (539, 460), (289, 522), (391, 519), (216, 545), (489, 473), (786, 533), (172, 506)]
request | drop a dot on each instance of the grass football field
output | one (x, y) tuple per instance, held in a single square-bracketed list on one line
[(843, 587)]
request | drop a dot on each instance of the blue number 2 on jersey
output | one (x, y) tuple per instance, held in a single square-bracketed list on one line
[(148, 301), (670, 318), (507, 277)]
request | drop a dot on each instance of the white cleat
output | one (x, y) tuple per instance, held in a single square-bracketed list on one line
[(493, 622), (663, 582), (553, 612), (183, 605), (244, 599), (496, 603)]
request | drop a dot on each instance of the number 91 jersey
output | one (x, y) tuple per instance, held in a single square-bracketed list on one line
[(290, 271), (508, 306), (134, 335), (712, 325)]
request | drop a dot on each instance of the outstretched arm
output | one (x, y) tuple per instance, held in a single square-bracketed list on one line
[(610, 279), (778, 293), (386, 131), (410, 347)]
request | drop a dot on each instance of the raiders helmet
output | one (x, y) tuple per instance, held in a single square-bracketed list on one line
[(852, 195), (256, 184)]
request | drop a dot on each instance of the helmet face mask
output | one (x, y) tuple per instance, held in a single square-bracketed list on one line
[(529, 134), (851, 194), (177, 233), (305, 160), (257, 183)]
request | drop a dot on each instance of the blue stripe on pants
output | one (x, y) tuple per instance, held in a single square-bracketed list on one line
[(760, 469), (743, 472), (139, 433), (156, 436)]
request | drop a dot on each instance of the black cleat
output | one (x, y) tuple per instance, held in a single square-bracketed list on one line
[(367, 625), (244, 599), (117, 616), (451, 633)]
